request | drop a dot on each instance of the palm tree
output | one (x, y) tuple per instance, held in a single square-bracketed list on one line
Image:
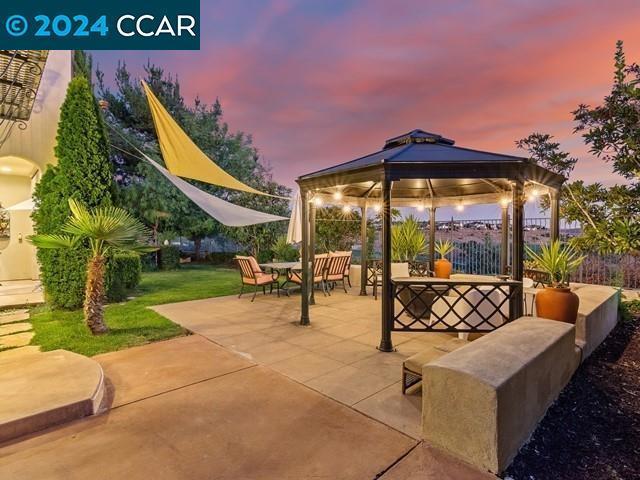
[(106, 229)]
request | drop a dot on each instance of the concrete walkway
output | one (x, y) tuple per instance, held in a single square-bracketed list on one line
[(15, 331), (189, 409)]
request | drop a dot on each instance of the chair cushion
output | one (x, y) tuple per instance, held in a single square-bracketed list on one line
[(334, 277), (261, 279), (254, 265), (415, 362)]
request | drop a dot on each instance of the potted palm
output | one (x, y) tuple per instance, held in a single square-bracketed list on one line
[(556, 301), (107, 230), (442, 266), (407, 240)]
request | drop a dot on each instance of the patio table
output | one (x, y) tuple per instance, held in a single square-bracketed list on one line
[(283, 267)]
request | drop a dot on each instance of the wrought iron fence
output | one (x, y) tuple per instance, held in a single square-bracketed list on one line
[(438, 305), (478, 248)]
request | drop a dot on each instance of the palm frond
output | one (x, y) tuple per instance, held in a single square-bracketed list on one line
[(54, 241)]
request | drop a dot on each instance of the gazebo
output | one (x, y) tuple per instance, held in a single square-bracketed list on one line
[(427, 169)]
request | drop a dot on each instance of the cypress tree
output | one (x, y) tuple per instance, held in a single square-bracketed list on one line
[(84, 173)]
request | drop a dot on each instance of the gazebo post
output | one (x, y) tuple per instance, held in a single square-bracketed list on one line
[(312, 248), (517, 256), (555, 213), (363, 250), (387, 301), (432, 238), (304, 287), (504, 247)]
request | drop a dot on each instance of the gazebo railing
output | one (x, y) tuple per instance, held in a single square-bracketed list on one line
[(439, 305)]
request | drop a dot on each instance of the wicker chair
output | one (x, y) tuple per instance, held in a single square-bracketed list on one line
[(319, 266), (251, 274)]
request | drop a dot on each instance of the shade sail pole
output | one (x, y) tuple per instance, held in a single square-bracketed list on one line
[(304, 286), (386, 344), (363, 250)]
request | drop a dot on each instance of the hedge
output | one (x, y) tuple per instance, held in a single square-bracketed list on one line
[(169, 258), (123, 274)]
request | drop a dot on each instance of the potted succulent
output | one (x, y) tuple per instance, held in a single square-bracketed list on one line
[(556, 301), (442, 266)]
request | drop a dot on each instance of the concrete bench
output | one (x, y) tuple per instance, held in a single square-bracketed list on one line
[(597, 315), (483, 401)]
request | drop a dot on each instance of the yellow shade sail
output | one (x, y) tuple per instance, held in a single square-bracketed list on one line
[(183, 157)]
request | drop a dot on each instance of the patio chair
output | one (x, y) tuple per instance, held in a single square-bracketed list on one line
[(397, 270), (412, 366), (346, 253), (319, 266), (335, 271), (251, 274)]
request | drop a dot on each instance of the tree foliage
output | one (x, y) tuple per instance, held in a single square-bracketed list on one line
[(161, 206), (83, 173), (545, 152), (612, 130)]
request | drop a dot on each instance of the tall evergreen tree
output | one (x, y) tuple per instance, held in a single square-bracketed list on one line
[(83, 173)]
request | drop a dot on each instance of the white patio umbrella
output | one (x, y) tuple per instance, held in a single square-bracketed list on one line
[(294, 234), (26, 205)]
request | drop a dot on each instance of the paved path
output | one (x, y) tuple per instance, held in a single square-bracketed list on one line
[(189, 409), (15, 331)]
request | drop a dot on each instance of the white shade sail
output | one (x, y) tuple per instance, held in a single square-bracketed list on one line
[(294, 234), (223, 211)]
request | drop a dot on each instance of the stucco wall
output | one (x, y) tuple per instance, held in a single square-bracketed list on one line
[(17, 255), (37, 141), (35, 145)]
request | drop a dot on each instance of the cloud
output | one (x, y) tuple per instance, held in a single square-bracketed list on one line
[(318, 83)]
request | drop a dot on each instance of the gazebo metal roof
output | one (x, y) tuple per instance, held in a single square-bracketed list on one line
[(428, 167)]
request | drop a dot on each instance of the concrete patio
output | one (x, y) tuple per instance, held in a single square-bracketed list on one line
[(189, 409), (335, 356)]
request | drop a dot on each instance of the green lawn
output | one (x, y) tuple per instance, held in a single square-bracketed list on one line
[(132, 323)]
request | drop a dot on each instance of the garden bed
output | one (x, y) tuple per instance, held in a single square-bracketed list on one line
[(593, 429)]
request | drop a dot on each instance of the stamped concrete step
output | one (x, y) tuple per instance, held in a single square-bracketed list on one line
[(15, 328), (16, 340), (9, 355), (42, 389), (14, 316)]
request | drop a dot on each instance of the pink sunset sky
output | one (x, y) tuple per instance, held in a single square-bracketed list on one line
[(321, 82)]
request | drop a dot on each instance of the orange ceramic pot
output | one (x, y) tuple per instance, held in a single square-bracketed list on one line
[(557, 303), (442, 268)]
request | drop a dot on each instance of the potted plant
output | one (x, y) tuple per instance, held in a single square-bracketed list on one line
[(407, 240), (556, 301), (442, 266)]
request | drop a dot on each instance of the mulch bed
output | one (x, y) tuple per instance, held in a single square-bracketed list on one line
[(593, 430)]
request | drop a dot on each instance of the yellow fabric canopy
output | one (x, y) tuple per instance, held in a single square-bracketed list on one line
[(183, 157)]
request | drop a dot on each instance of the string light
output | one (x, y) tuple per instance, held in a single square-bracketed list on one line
[(377, 207), (317, 201), (420, 207), (346, 209), (505, 201), (459, 207), (337, 195)]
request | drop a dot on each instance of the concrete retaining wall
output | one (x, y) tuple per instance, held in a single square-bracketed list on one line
[(482, 401), (597, 315)]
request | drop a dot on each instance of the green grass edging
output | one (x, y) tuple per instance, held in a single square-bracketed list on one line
[(131, 323)]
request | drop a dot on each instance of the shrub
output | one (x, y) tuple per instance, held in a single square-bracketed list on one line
[(84, 173), (221, 258), (284, 251), (169, 258), (123, 274)]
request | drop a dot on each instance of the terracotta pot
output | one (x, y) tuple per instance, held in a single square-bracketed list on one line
[(442, 268), (557, 303)]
